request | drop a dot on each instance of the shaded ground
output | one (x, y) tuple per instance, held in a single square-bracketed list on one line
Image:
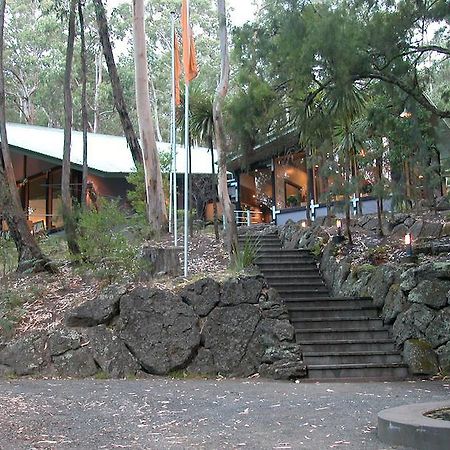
[(41, 300), (218, 414)]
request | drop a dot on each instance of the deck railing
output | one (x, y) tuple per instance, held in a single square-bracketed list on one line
[(247, 218)]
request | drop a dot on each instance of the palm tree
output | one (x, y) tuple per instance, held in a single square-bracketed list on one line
[(202, 130), (345, 104)]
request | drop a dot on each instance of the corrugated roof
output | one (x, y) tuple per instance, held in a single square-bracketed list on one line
[(107, 154)]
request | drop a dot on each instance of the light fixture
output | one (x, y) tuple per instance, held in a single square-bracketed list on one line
[(408, 243), (339, 227), (339, 238)]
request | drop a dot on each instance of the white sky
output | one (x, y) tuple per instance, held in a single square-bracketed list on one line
[(241, 11)]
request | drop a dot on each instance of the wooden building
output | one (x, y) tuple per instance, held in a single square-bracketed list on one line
[(37, 157)]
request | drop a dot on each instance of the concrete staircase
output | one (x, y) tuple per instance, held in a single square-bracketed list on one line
[(340, 337)]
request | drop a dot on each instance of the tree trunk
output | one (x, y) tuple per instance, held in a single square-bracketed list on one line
[(346, 197), (214, 189), (380, 197), (154, 103), (310, 182), (98, 83), (30, 255), (84, 116), (66, 197), (219, 131), (119, 101), (156, 207)]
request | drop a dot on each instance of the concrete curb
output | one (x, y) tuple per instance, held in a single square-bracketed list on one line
[(407, 426)]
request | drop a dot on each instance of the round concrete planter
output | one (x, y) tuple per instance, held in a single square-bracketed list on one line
[(407, 426)]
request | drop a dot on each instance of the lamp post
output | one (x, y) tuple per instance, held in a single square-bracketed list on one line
[(339, 238), (410, 257), (408, 243)]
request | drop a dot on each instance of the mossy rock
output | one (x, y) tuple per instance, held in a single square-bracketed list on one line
[(420, 357)]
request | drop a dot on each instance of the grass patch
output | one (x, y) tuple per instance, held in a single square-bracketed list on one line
[(12, 309)]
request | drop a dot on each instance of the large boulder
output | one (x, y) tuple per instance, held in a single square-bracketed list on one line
[(408, 279), (99, 311), (283, 362), (334, 272), (430, 293), (26, 355), (75, 363), (110, 353), (203, 295), (62, 339), (203, 363), (227, 333), (159, 329), (443, 353), (413, 323), (394, 303), (356, 283), (242, 290), (379, 284), (272, 307), (420, 357), (431, 230), (438, 331)]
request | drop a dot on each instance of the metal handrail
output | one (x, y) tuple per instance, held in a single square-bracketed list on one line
[(247, 217)]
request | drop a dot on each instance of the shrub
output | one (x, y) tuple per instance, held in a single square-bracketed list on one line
[(245, 256), (104, 246), (8, 255)]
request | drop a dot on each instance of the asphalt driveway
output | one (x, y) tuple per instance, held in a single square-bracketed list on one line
[(160, 413)]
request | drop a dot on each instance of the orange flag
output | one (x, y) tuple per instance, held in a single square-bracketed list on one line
[(189, 55), (177, 70)]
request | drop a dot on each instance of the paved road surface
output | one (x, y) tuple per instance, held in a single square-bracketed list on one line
[(159, 413)]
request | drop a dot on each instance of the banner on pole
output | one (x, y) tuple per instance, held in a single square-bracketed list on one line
[(189, 54)]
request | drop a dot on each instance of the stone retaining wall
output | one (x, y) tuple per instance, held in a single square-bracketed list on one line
[(414, 299), (235, 327)]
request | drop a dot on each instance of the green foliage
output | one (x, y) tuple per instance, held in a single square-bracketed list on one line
[(8, 256), (137, 195), (378, 255), (11, 306), (357, 271), (245, 256), (317, 248), (105, 248)]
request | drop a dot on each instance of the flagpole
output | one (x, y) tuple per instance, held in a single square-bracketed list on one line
[(174, 141), (186, 167), (186, 179)]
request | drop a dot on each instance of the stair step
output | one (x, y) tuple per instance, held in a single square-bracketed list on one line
[(325, 334), (333, 358), (341, 324), (326, 301), (302, 278), (327, 312), (277, 253), (263, 237), (346, 345), (375, 371), (307, 293), (281, 266), (291, 284)]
